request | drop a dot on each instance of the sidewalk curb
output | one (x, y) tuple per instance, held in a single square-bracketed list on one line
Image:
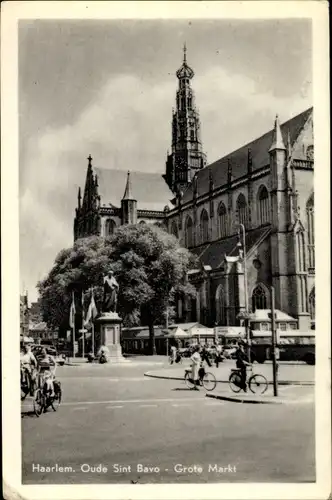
[(270, 401), (282, 382), (248, 401)]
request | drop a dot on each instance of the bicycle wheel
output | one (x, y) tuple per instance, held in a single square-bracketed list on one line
[(209, 381), (235, 382), (258, 384), (57, 400), (38, 402), (25, 386), (189, 381)]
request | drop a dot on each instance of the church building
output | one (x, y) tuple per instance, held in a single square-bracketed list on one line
[(248, 217)]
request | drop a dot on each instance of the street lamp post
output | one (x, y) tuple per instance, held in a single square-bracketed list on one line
[(242, 231)]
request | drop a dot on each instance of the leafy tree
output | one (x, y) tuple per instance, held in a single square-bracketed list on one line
[(151, 267), (149, 264), (75, 270)]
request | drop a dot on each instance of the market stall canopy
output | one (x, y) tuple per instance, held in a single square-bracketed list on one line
[(176, 332)]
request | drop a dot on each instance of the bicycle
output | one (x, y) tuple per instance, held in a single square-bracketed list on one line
[(25, 381), (42, 400), (257, 383), (206, 379)]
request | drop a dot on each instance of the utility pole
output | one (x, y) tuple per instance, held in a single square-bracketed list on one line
[(167, 330), (274, 344), (242, 230)]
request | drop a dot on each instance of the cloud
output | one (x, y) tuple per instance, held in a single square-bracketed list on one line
[(128, 126)]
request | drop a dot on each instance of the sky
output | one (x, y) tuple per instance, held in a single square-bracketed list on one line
[(107, 88)]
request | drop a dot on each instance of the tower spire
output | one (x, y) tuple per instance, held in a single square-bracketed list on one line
[(184, 53), (128, 190), (79, 197), (289, 145), (277, 141)]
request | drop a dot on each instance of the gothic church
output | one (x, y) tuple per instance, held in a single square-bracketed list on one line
[(248, 217)]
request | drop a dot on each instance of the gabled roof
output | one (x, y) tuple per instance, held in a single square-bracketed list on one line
[(212, 254), (149, 189), (238, 159), (263, 315)]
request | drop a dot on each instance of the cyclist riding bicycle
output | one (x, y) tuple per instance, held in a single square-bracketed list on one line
[(241, 363), (47, 366), (29, 363)]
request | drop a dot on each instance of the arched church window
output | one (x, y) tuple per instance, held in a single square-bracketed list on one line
[(174, 229), (222, 220), (300, 251), (189, 102), (221, 317), (258, 299), (242, 210), (192, 135), (312, 304), (263, 206), (204, 226), (311, 233), (188, 233), (110, 227)]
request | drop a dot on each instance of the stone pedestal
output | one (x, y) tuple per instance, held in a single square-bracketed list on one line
[(110, 331)]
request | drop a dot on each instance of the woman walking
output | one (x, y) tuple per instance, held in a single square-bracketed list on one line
[(196, 363)]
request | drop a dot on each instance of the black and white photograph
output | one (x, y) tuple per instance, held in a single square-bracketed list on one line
[(168, 252)]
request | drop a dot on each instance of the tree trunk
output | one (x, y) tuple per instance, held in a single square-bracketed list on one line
[(152, 339)]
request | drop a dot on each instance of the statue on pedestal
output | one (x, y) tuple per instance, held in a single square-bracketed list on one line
[(111, 290)]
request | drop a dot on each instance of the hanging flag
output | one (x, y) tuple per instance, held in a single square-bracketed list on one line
[(72, 313), (92, 311)]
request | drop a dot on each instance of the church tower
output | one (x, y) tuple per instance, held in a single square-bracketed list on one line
[(87, 219), (128, 205), (186, 156)]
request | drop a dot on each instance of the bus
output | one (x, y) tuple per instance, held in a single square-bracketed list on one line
[(293, 345)]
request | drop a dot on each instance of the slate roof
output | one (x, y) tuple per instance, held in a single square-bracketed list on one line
[(149, 189), (239, 158), (212, 254)]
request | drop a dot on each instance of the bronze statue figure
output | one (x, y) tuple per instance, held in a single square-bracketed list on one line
[(111, 290)]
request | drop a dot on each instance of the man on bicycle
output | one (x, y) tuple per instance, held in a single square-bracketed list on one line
[(47, 366), (29, 363), (242, 363)]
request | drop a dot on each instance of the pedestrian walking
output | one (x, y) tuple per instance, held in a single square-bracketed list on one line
[(205, 356), (196, 363), (218, 354)]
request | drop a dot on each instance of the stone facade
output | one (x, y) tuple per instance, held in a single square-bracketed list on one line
[(248, 217)]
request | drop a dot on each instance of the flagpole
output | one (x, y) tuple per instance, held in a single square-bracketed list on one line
[(93, 330), (83, 333), (73, 328)]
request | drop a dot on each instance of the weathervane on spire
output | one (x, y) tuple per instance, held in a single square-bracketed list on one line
[(184, 53), (90, 159)]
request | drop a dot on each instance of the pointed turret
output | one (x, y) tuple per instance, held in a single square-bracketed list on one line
[(277, 140), (129, 204), (289, 145), (128, 191), (79, 198)]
